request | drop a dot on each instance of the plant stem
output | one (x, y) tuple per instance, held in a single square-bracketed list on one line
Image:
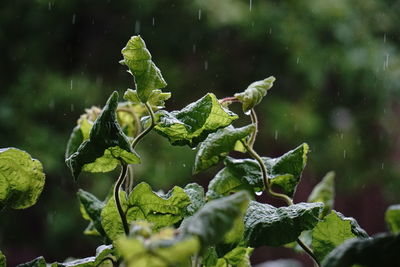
[(196, 261), (228, 99), (117, 188), (267, 185), (148, 129), (254, 121), (307, 250)]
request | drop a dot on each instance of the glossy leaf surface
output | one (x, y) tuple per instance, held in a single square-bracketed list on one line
[(332, 231), (266, 225), (92, 207), (138, 59), (217, 146), (193, 123), (392, 218), (21, 179), (106, 147), (255, 93), (324, 192)]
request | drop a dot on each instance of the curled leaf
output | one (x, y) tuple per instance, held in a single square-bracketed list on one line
[(138, 59), (324, 192), (21, 179), (106, 147), (255, 93), (192, 124), (217, 146)]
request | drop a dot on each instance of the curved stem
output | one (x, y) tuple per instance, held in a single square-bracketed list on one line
[(117, 187), (267, 185), (307, 250), (230, 99), (148, 129), (254, 121)]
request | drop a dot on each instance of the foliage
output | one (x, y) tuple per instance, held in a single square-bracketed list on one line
[(186, 226)]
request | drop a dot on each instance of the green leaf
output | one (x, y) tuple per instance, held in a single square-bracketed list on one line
[(324, 192), (82, 130), (38, 262), (103, 254), (239, 257), (92, 208), (193, 123), (144, 204), (217, 146), (106, 147), (197, 199), (216, 218), (266, 225), (284, 172), (332, 231), (227, 182), (392, 218), (21, 179), (255, 93), (138, 59), (2, 260), (156, 99), (158, 253), (381, 250)]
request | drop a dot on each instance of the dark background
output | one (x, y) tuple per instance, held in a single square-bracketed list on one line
[(337, 67)]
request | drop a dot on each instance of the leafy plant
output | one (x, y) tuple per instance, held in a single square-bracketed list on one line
[(192, 226)]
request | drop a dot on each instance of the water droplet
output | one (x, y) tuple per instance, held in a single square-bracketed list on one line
[(199, 14), (72, 107), (382, 165), (259, 193), (184, 165), (73, 19), (72, 84), (341, 136), (49, 6), (247, 112), (270, 31), (384, 38), (137, 27), (344, 154), (194, 49), (206, 65), (297, 60), (386, 63), (276, 134), (250, 5), (153, 22)]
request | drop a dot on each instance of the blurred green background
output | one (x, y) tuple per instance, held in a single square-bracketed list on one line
[(336, 62)]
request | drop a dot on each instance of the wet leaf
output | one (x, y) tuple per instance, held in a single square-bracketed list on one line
[(381, 250), (217, 146), (107, 146), (144, 204), (216, 218), (392, 218), (92, 208), (193, 123), (255, 93), (324, 192), (21, 179), (332, 231), (197, 198), (138, 59), (284, 172), (266, 225)]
